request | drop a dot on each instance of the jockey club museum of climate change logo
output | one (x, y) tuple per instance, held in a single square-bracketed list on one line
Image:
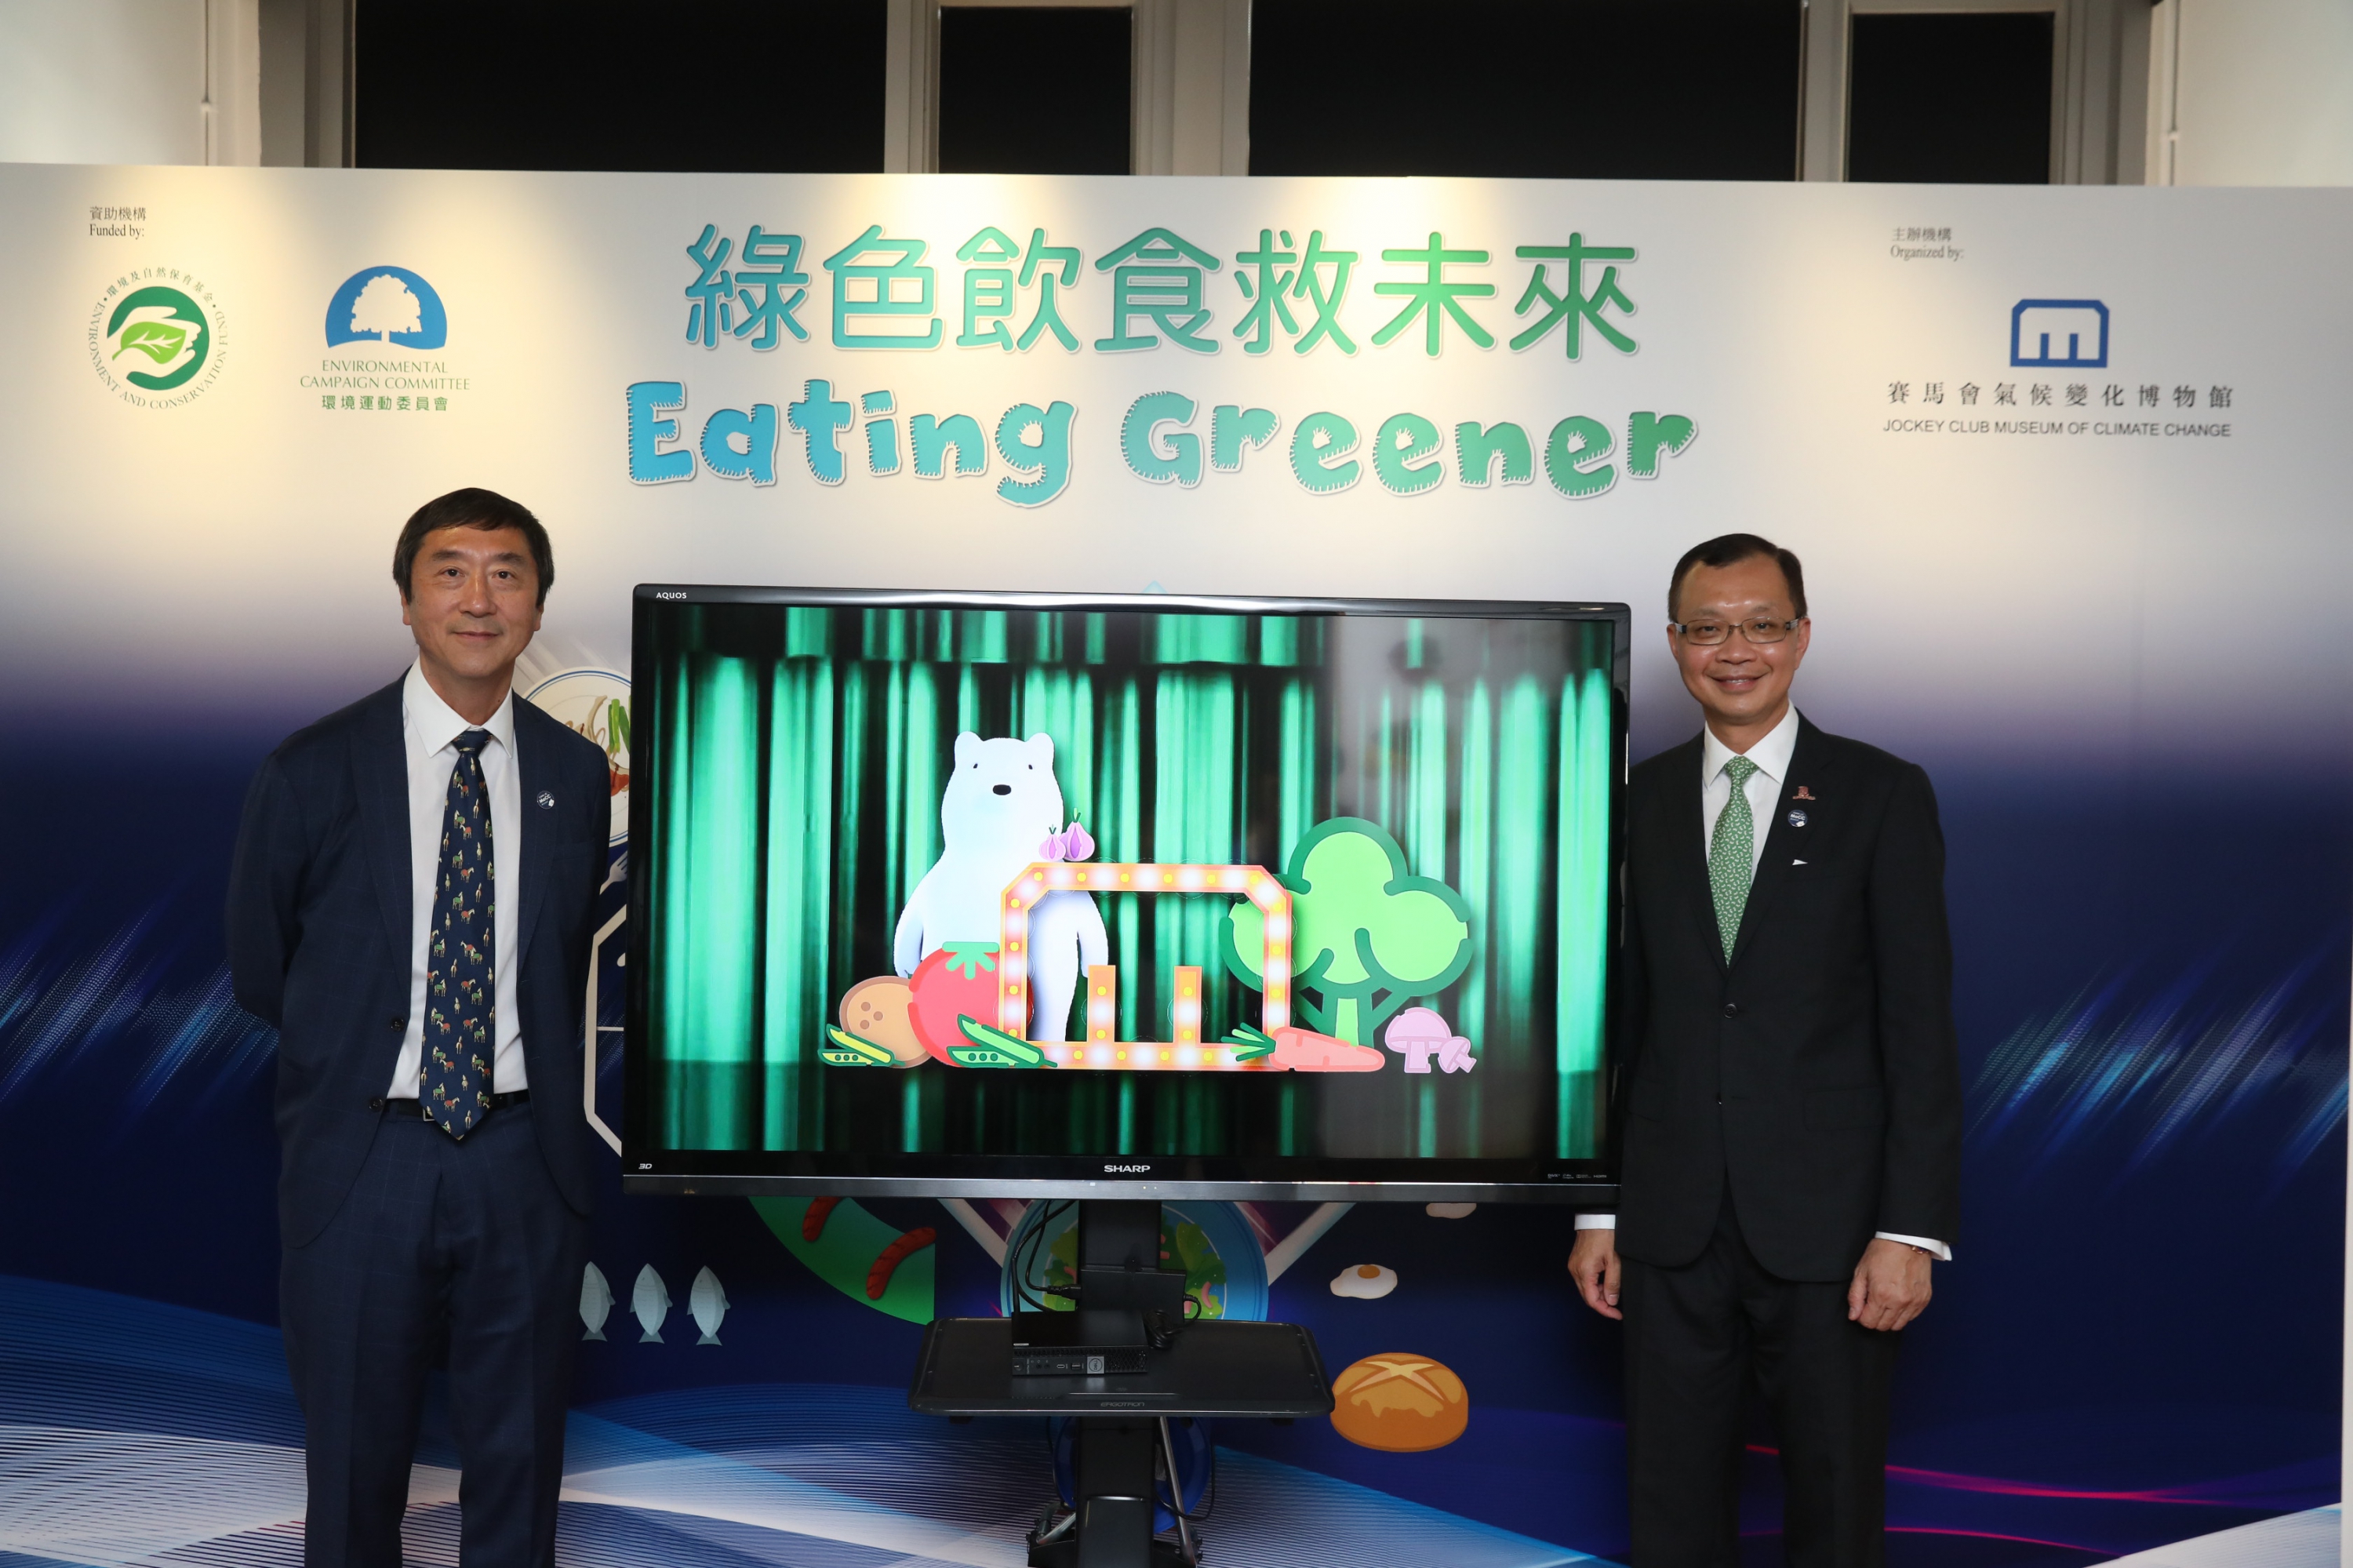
[(397, 312), (155, 337)]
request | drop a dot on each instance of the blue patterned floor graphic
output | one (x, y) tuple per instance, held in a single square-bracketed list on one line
[(136, 1435)]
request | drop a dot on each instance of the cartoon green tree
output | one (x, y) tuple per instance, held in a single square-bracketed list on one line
[(1366, 937)]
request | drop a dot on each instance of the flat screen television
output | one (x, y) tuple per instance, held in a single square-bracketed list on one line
[(1142, 896)]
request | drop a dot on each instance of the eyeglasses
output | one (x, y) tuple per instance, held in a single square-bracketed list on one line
[(1756, 628)]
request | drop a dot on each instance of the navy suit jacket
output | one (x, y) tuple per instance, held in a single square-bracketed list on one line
[(320, 928), (1815, 1074)]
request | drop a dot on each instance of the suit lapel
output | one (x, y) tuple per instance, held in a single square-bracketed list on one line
[(380, 779), (1772, 871), (533, 774)]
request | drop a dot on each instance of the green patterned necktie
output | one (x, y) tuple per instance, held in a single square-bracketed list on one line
[(1732, 853)]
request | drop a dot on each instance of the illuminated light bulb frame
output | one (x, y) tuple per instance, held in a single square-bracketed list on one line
[(1187, 1050)]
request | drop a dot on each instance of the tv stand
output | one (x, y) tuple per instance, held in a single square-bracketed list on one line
[(1184, 1367)]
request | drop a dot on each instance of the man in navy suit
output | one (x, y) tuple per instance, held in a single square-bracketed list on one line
[(1788, 1094), (411, 906)]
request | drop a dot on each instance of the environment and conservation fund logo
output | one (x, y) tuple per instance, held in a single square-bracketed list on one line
[(399, 316), (156, 338)]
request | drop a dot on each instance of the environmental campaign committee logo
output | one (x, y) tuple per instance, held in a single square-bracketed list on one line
[(155, 337), (399, 315)]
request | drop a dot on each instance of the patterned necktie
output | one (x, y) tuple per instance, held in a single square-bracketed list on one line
[(460, 1029), (1732, 853)]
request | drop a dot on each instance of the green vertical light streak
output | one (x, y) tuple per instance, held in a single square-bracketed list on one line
[(1194, 819), (1584, 919), (670, 932), (1523, 770), (918, 822), (1426, 766), (1118, 830), (721, 856), (1295, 785), (894, 784), (798, 892), (1476, 858)]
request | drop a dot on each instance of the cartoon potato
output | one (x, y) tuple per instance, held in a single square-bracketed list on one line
[(876, 1011)]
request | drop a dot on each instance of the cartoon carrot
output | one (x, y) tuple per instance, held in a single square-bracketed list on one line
[(877, 1279), (812, 1221)]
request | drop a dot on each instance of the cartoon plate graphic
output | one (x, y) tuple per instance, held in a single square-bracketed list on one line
[(1225, 1265), (1400, 1403), (874, 1264)]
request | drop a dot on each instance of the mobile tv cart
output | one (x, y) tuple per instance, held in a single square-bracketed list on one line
[(1266, 1371)]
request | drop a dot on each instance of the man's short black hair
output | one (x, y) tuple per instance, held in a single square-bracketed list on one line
[(471, 508), (1731, 549)]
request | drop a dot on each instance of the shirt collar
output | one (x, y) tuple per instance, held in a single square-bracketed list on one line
[(1771, 754), (436, 725)]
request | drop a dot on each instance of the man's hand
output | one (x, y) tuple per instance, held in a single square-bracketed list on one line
[(1593, 1264), (1890, 1288)]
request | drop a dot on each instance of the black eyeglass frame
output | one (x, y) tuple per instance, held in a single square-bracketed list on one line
[(1683, 629)]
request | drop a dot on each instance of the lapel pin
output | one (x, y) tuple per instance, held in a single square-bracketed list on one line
[(546, 799), (1803, 794), (1797, 818)]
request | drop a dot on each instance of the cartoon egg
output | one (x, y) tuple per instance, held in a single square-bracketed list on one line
[(1400, 1403), (876, 1011), (1364, 1281)]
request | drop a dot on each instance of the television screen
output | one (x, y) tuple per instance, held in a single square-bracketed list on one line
[(948, 894)]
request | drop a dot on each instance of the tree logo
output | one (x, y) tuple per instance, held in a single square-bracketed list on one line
[(388, 305), (155, 337)]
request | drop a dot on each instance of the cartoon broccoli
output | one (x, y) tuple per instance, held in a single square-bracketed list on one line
[(1366, 937)]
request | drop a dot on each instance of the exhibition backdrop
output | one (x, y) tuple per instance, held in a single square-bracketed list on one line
[(2068, 468)]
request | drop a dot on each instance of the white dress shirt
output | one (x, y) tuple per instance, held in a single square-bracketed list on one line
[(429, 730), (1771, 756)]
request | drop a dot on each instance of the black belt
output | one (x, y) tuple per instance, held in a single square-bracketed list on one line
[(401, 1104)]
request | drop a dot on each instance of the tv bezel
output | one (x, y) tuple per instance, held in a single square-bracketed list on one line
[(1586, 1184)]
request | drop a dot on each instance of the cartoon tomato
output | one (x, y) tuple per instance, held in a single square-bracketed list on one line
[(958, 980)]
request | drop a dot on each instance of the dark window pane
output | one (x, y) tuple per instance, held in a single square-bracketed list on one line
[(1034, 90), (1598, 88), (790, 87), (1946, 99)]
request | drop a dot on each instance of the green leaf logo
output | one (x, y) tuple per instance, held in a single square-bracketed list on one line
[(159, 341)]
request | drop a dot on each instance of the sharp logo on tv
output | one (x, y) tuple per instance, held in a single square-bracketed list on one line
[(2059, 334), (399, 315), (155, 337), (1127, 1170)]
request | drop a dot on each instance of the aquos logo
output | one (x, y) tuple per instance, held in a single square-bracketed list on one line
[(155, 337)]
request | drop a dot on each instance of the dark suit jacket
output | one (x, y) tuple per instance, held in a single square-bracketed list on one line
[(318, 938), (1816, 1072)]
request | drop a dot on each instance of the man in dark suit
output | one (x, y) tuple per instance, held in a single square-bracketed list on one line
[(410, 905), (1787, 1099)]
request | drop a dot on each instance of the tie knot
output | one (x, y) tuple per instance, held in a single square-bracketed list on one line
[(1740, 769), (471, 742)]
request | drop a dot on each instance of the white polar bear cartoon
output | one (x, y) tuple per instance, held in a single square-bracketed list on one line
[(998, 808)]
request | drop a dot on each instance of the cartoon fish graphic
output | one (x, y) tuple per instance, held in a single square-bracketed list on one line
[(708, 1302), (650, 1304), (596, 1301)]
